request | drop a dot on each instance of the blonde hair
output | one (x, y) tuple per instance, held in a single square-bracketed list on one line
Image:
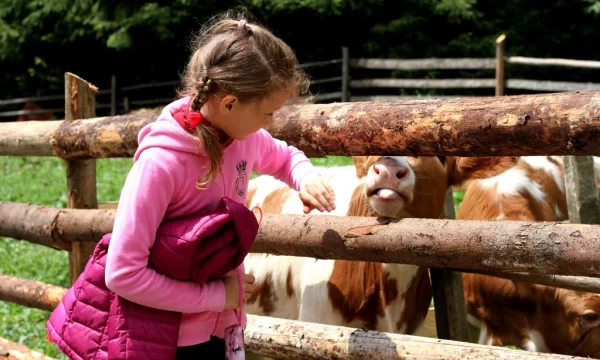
[(242, 59)]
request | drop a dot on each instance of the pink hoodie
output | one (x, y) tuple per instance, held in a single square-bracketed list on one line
[(162, 184)]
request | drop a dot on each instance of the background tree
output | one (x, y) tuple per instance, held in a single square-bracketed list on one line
[(142, 41)]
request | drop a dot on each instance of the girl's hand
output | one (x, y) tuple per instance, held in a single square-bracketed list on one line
[(232, 289), (317, 194)]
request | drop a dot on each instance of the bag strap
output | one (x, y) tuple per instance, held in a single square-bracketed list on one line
[(238, 312), (261, 214)]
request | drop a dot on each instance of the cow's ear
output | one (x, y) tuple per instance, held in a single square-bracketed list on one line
[(360, 163), (462, 169)]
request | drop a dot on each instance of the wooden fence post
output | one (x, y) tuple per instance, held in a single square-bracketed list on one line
[(581, 189), (500, 65), (80, 103), (125, 104), (448, 294), (345, 74), (449, 211), (114, 104)]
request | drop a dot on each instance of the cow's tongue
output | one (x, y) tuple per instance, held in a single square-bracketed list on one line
[(387, 194)]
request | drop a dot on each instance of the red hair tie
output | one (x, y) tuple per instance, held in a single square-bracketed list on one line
[(194, 118)]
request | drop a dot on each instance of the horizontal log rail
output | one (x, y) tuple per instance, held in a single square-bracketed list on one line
[(289, 339), (30, 293), (577, 283), (482, 245), (424, 64), (39, 295), (521, 60), (53, 227), (13, 351), (539, 124)]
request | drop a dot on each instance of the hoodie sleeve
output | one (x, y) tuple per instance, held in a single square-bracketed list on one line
[(144, 199), (282, 161)]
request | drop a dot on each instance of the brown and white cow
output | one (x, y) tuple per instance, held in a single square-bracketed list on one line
[(383, 297), (38, 116), (533, 317)]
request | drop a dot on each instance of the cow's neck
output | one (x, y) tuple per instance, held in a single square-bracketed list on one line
[(406, 288)]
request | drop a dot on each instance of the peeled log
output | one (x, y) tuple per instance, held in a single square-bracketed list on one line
[(56, 228), (33, 294), (565, 123), (13, 351), (22, 138), (289, 339), (577, 283), (33, 223), (541, 124), (487, 245), (102, 137)]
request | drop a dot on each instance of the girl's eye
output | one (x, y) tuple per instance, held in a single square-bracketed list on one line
[(269, 114)]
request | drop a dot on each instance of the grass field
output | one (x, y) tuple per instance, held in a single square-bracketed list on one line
[(42, 181)]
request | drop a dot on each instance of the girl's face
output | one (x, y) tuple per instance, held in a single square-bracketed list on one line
[(240, 120)]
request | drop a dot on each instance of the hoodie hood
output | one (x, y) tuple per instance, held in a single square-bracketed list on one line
[(167, 133)]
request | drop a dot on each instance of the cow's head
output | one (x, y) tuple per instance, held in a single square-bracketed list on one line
[(569, 321), (406, 186)]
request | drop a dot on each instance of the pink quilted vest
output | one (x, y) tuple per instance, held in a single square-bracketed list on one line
[(92, 322)]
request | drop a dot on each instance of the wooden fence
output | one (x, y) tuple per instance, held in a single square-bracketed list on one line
[(122, 99), (498, 124)]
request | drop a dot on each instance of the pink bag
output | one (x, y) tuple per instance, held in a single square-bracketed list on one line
[(234, 335)]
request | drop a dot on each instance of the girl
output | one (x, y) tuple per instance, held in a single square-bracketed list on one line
[(203, 147)]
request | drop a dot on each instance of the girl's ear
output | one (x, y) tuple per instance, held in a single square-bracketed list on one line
[(227, 103)]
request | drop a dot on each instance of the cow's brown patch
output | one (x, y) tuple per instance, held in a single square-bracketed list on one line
[(486, 203), (274, 202), (289, 285), (505, 306), (265, 295), (417, 299), (251, 192), (390, 289), (356, 290)]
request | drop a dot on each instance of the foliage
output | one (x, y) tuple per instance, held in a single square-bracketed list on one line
[(593, 7), (40, 39), (142, 41)]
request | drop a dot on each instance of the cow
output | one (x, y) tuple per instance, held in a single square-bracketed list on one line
[(529, 316), (38, 115), (360, 294)]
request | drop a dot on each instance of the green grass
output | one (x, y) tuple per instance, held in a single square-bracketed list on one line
[(42, 181)]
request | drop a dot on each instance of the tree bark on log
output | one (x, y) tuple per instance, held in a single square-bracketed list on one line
[(565, 123), (488, 245), (13, 351), (30, 293), (289, 339)]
